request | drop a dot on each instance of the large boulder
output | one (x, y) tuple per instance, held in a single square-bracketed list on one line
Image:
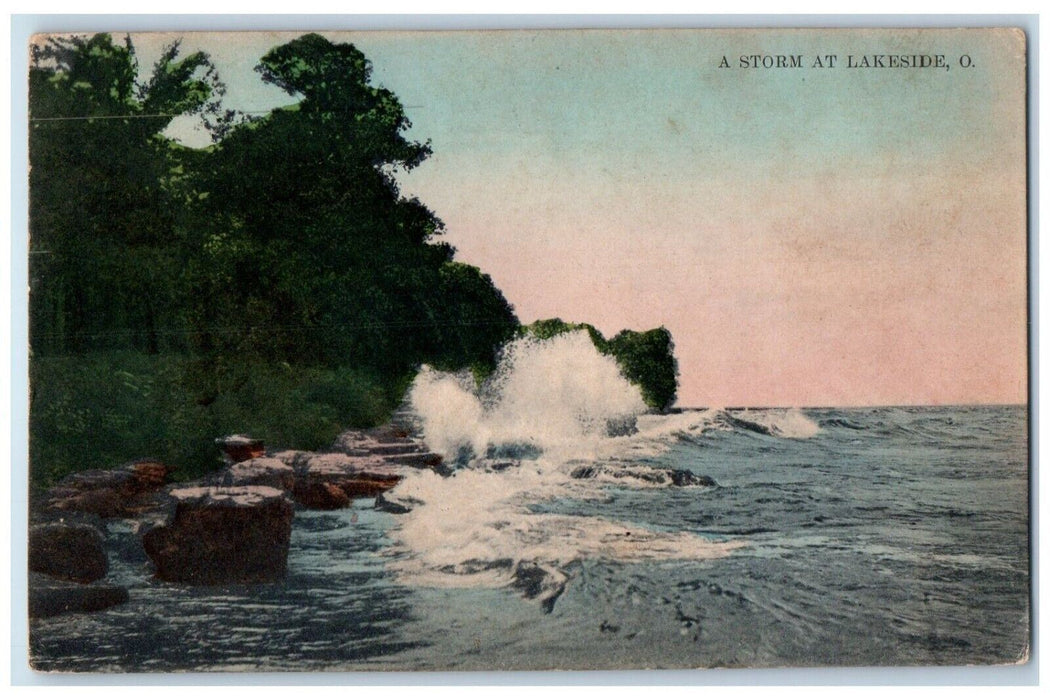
[(103, 502), (49, 597), (223, 535), (68, 551), (321, 496)]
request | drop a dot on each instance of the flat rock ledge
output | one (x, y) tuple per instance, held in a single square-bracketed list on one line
[(324, 481), (390, 443), (223, 535), (49, 596), (260, 471), (357, 477)]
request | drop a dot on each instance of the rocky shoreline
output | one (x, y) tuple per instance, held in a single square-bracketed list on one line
[(232, 526)]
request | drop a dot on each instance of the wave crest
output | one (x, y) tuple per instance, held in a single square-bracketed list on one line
[(554, 394)]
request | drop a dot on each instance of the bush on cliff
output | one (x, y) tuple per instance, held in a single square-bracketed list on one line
[(645, 358)]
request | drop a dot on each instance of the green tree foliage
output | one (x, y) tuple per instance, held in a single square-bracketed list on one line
[(275, 283), (104, 257), (311, 252), (472, 320), (550, 327), (645, 358)]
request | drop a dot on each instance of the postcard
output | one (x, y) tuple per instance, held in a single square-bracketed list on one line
[(518, 350)]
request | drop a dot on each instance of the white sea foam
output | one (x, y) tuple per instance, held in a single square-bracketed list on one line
[(551, 401), (554, 395), (781, 422)]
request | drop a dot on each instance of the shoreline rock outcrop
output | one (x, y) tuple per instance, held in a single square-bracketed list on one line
[(223, 535), (231, 526)]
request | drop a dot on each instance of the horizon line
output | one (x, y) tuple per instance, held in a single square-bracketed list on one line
[(742, 407)]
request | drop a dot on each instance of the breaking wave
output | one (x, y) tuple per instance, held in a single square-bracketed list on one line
[(557, 420), (545, 396)]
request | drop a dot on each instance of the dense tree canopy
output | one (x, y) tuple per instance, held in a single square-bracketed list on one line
[(287, 241), (275, 279), (276, 282), (308, 244), (102, 218)]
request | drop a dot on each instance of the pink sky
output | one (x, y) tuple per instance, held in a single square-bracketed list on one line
[(926, 307), (885, 267)]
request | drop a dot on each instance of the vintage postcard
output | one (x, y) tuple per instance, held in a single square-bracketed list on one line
[(509, 350)]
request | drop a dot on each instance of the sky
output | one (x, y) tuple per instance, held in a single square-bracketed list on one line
[(810, 236)]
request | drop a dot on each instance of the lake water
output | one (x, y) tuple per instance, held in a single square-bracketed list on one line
[(875, 536)]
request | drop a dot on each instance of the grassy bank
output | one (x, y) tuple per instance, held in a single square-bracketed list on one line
[(99, 410)]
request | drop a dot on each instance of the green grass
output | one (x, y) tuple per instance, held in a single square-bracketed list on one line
[(100, 410)]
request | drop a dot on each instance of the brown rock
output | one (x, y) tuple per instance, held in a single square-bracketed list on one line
[(109, 493), (261, 471), (321, 496), (49, 597), (222, 535), (68, 551), (150, 473), (121, 481), (366, 488), (355, 477), (104, 502), (239, 448)]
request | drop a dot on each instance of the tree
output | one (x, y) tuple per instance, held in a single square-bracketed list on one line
[(311, 254), (474, 318), (102, 223)]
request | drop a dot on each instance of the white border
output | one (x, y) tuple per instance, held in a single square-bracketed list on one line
[(13, 286)]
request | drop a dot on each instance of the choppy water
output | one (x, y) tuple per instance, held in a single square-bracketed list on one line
[(834, 536)]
